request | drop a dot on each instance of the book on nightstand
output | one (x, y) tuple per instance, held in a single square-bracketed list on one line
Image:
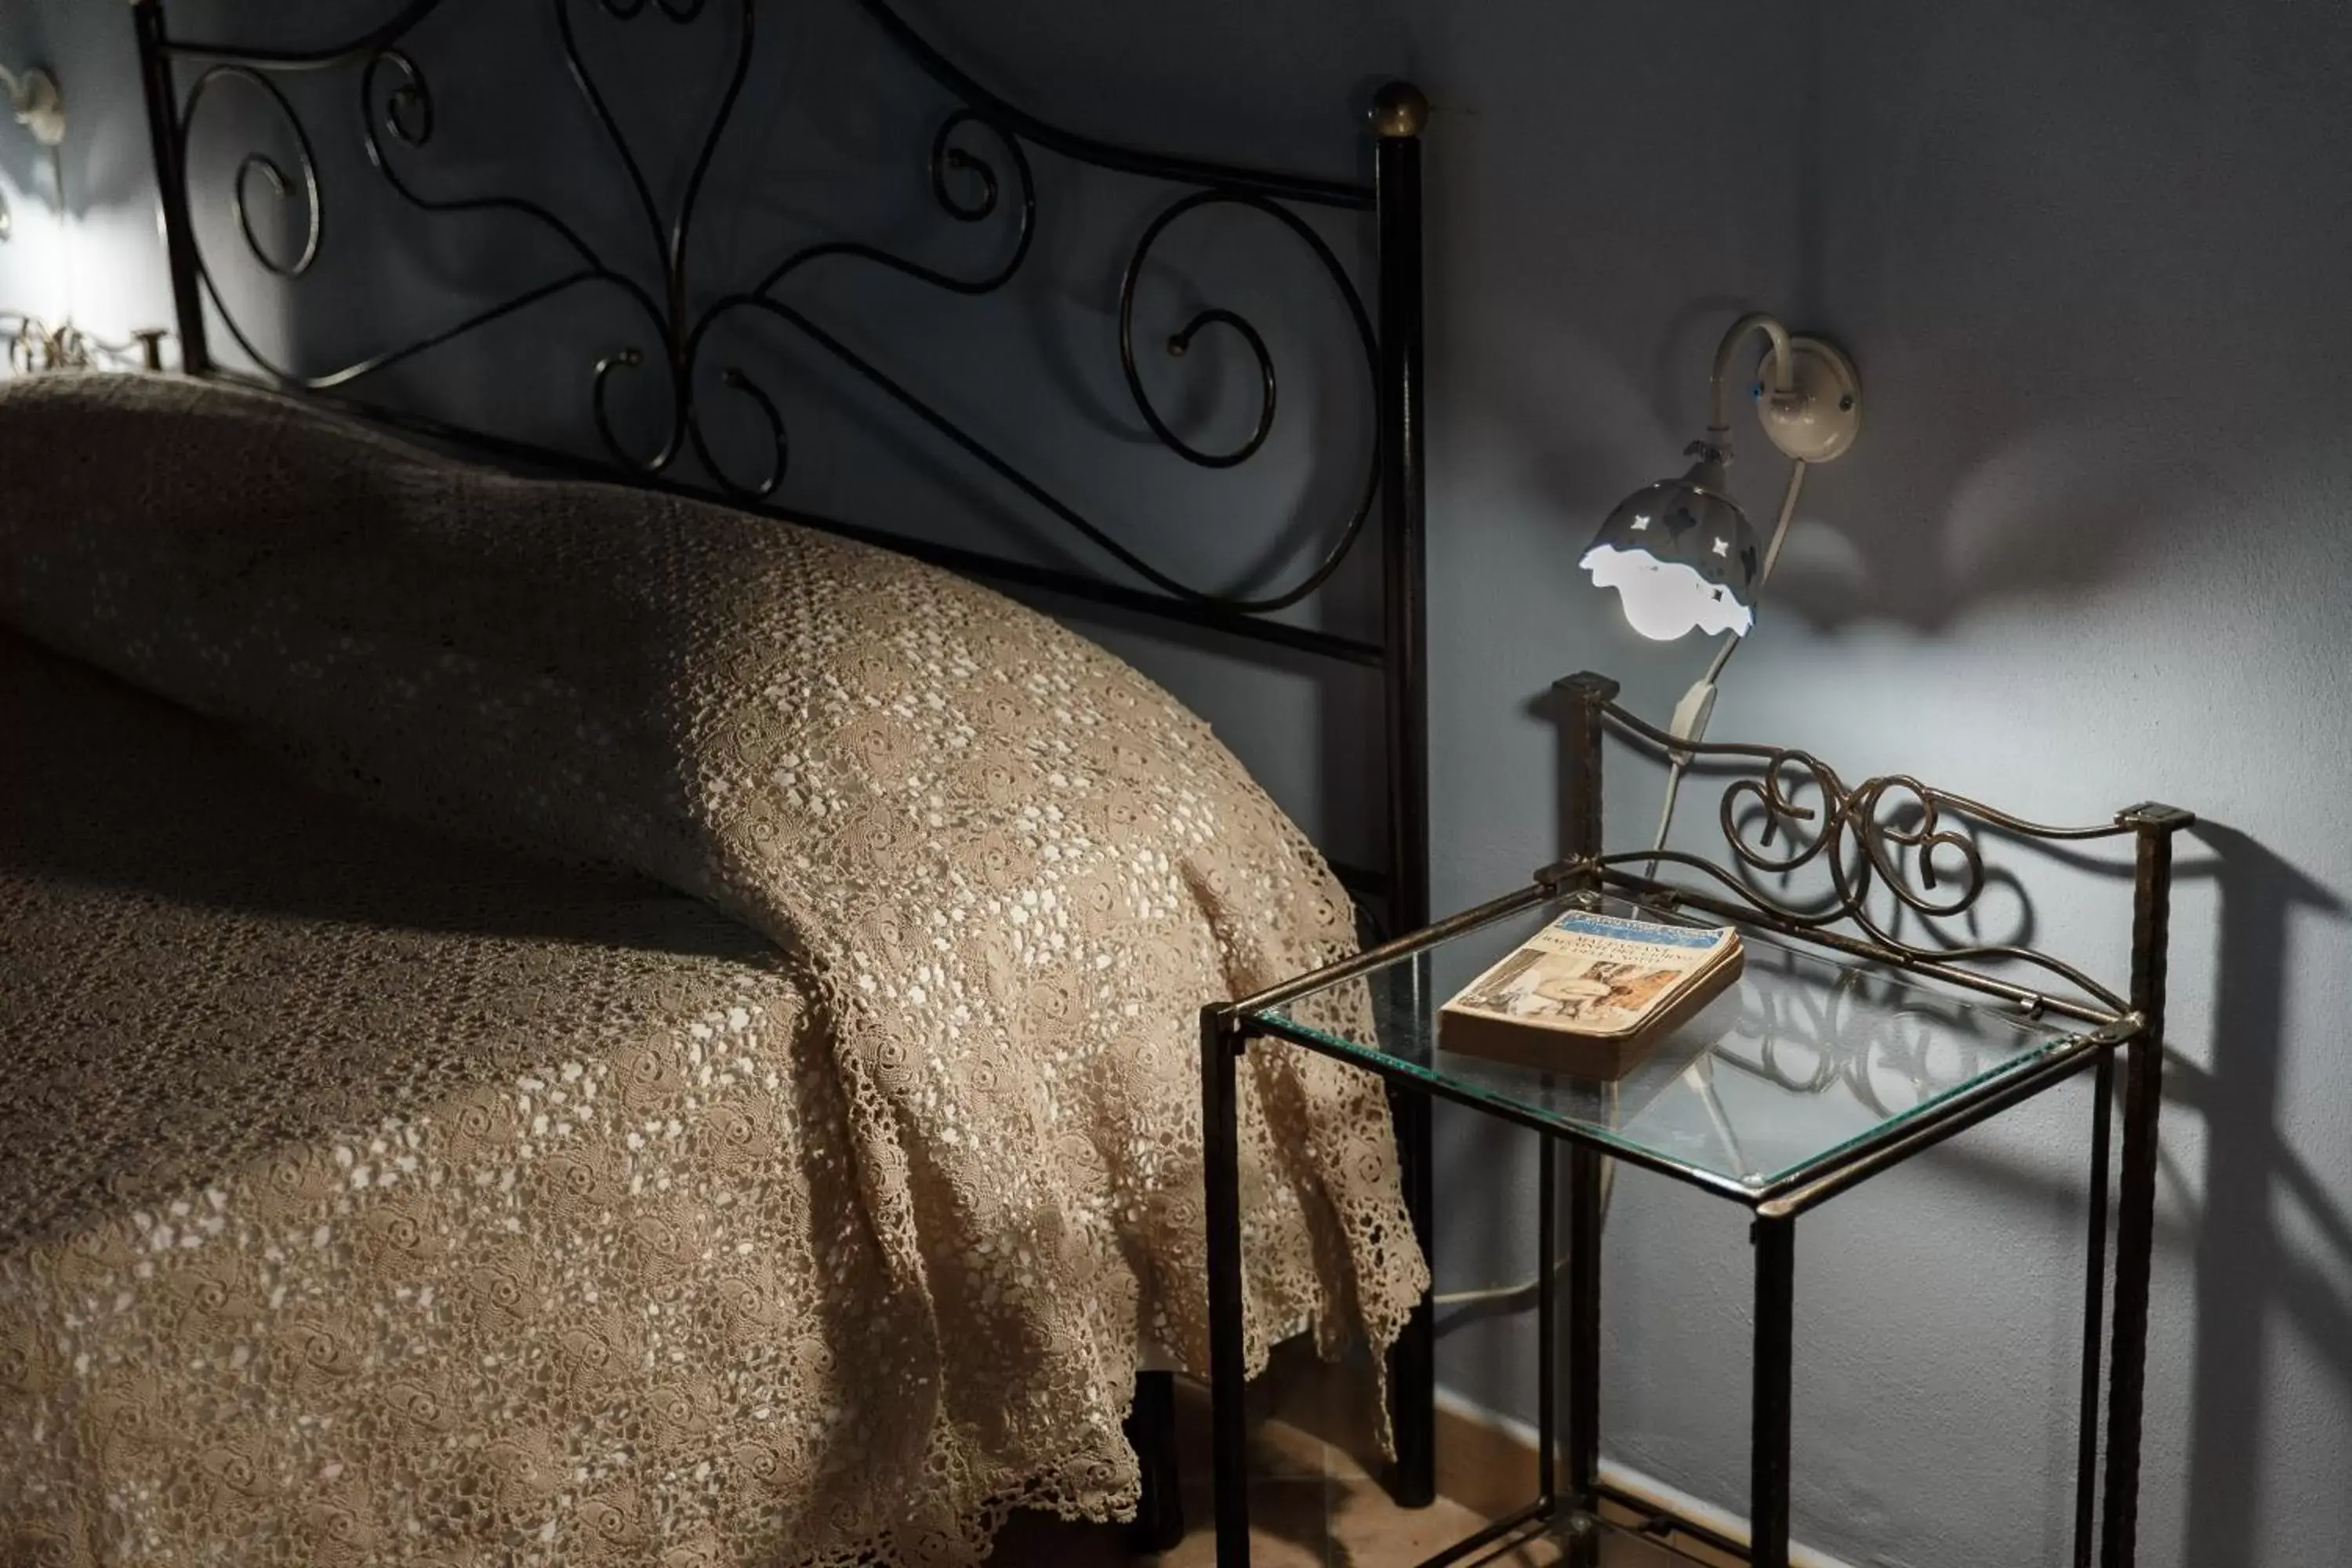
[(1590, 994)]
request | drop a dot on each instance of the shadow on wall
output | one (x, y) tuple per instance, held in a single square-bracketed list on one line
[(2247, 1282), (2074, 296), (2074, 278), (102, 166), (24, 43), (2012, 502), (28, 189), (25, 170)]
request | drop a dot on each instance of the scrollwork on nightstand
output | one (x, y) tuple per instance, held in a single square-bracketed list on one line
[(34, 347), (1891, 848)]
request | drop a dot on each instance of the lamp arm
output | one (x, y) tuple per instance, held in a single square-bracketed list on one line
[(1718, 428), (1698, 705), (1731, 641)]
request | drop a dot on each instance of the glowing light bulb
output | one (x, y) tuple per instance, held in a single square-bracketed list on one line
[(1663, 600)]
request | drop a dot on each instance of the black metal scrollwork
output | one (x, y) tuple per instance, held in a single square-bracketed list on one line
[(268, 168), (1891, 836), (948, 161), (29, 345), (980, 168), (1181, 342)]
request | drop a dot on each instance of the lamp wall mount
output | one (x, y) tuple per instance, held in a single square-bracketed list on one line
[(41, 109), (39, 105), (1816, 414)]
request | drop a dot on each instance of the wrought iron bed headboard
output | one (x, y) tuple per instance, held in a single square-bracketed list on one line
[(397, 119)]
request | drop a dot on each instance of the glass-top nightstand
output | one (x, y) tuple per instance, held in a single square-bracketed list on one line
[(1842, 1050), (1806, 1068)]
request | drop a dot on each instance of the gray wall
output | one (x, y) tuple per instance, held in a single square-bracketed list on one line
[(104, 269), (2090, 550)]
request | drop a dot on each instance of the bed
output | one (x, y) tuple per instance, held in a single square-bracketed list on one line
[(555, 1020)]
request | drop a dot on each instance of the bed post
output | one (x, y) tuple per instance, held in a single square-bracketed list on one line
[(1399, 113), (1159, 1524), (171, 181)]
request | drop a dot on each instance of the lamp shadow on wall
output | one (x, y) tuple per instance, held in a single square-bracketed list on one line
[(28, 212), (25, 166), (2041, 515), (2050, 513)]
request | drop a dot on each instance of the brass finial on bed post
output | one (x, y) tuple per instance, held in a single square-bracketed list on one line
[(1398, 109)]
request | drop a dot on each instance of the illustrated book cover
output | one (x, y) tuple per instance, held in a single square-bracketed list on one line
[(1590, 994)]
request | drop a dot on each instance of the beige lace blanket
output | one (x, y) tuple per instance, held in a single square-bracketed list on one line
[(407, 1216)]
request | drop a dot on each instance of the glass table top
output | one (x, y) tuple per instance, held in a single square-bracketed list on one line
[(1785, 1074)]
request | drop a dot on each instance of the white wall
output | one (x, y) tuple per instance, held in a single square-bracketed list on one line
[(2091, 550), (99, 263)]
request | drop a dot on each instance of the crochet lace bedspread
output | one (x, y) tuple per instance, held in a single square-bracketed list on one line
[(369, 1194)]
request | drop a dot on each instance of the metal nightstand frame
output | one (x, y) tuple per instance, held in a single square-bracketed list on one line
[(1862, 836)]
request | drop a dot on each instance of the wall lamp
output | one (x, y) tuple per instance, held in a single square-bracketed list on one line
[(41, 109), (29, 345), (1680, 553)]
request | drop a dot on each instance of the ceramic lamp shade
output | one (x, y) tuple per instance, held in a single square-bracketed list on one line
[(1682, 557)]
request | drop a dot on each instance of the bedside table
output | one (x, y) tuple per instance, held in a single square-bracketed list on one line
[(1842, 1051)]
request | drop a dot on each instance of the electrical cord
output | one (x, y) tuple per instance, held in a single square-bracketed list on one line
[(1690, 724), (1691, 714)]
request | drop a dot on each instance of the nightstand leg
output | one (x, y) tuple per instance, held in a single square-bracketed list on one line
[(1546, 1326), (1221, 1049), (1151, 1432), (2135, 1249), (2135, 1182), (1776, 1290), (1583, 1326), (1412, 1361), (2094, 1317)]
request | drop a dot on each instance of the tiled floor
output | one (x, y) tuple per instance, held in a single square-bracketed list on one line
[(1312, 1504)]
